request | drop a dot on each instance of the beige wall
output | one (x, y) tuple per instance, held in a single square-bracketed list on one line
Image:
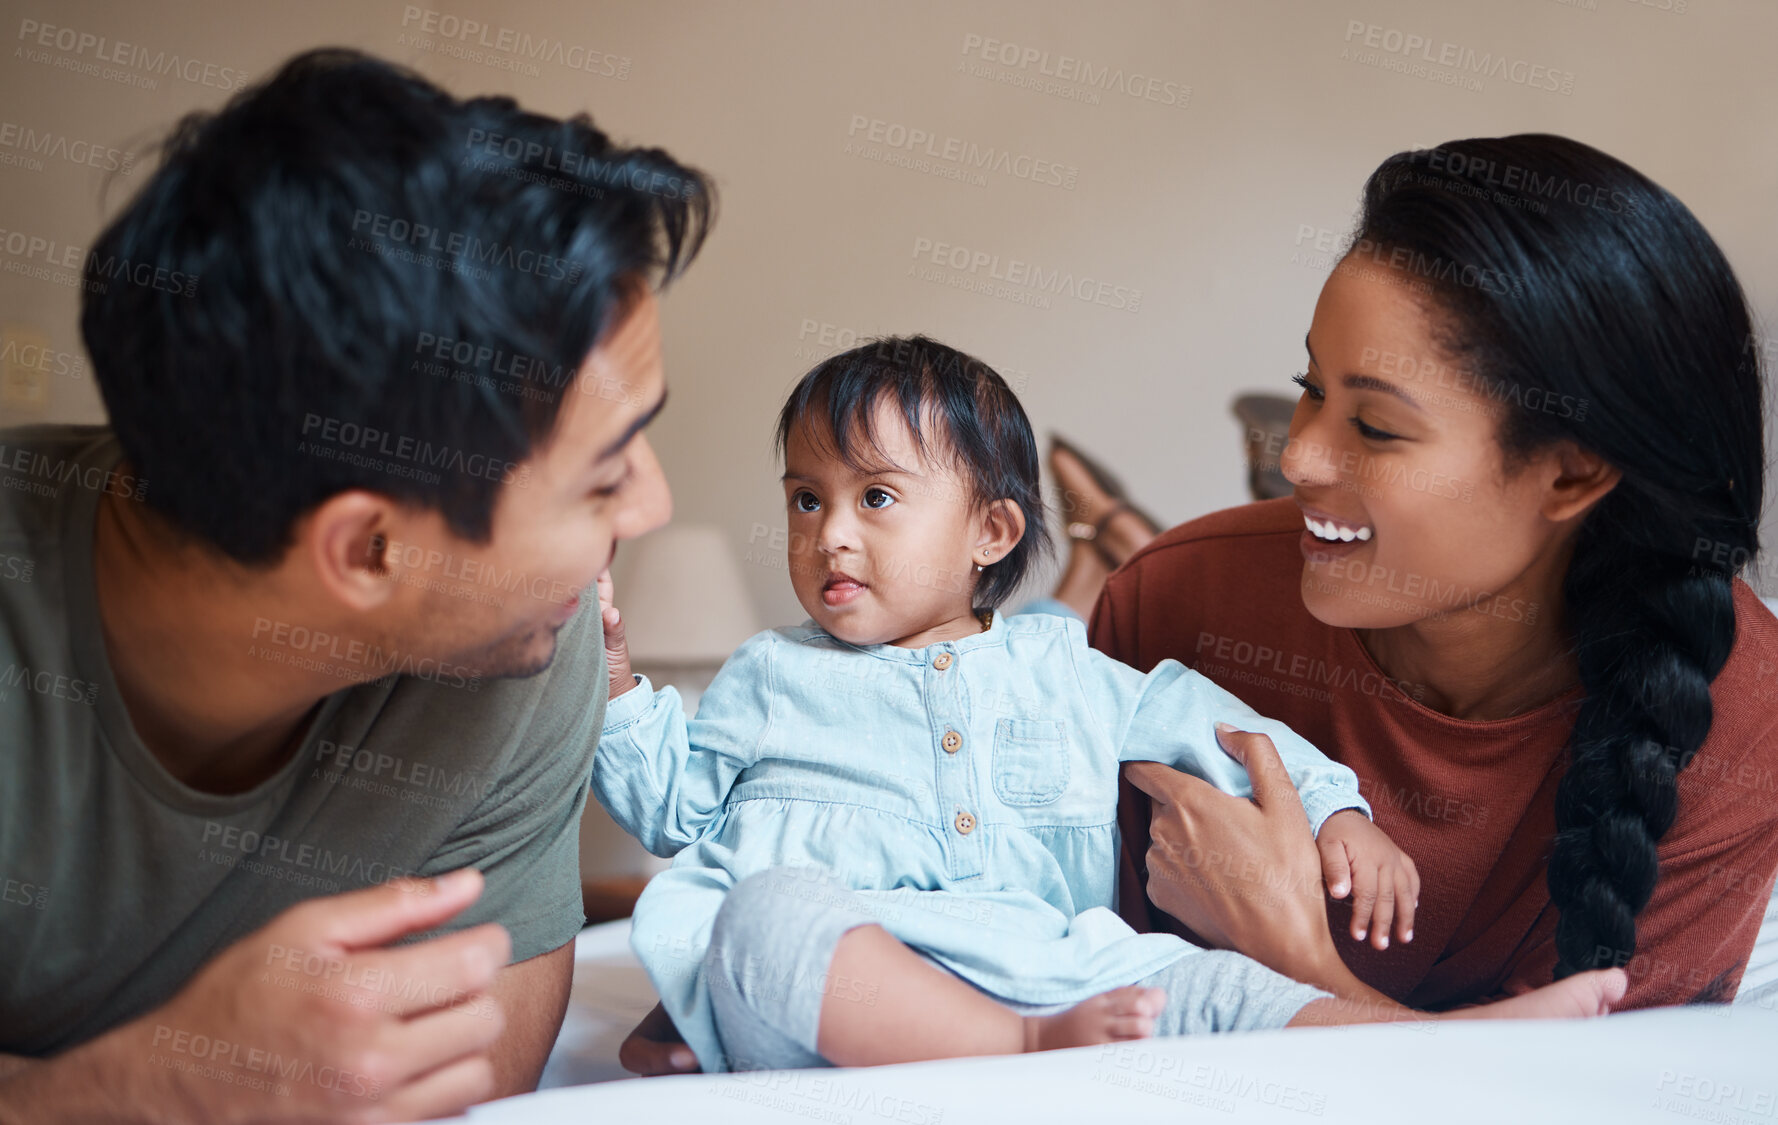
[(1199, 205)]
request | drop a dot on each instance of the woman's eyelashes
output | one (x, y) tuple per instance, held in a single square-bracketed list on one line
[(1365, 429)]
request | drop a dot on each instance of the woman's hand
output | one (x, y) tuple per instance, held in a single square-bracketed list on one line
[(1243, 875), (1358, 859), (655, 1048), (617, 650)]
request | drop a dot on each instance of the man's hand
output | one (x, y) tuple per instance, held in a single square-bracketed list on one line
[(617, 650), (1357, 858), (313, 1017), (655, 1048)]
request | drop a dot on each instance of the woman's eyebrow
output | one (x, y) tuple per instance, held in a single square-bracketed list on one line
[(1367, 382), (1372, 383)]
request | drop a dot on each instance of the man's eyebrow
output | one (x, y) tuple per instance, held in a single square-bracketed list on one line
[(633, 429), (1368, 382)]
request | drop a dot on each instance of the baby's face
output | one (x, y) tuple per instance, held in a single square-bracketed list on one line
[(883, 556)]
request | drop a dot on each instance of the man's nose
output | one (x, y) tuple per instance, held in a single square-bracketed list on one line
[(651, 499)]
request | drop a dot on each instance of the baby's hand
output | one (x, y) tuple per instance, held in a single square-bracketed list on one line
[(1357, 857), (617, 652)]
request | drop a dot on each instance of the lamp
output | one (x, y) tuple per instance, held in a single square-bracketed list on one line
[(684, 602), (685, 609)]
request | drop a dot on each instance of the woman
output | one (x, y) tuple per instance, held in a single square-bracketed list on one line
[(1527, 464)]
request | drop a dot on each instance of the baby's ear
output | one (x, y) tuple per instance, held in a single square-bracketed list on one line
[(1003, 525)]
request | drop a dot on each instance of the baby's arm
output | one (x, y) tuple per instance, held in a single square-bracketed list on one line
[(664, 779), (1170, 715)]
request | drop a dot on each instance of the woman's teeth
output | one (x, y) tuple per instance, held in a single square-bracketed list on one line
[(1331, 532)]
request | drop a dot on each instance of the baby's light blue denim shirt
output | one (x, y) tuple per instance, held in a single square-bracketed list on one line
[(969, 787)]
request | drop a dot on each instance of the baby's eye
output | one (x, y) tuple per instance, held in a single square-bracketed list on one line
[(805, 501), (877, 498)]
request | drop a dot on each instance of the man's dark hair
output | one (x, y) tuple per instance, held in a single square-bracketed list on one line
[(348, 278), (981, 429)]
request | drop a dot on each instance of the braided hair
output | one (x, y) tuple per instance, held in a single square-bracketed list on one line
[(1596, 306)]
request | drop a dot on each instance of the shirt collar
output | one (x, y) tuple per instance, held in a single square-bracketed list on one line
[(993, 636)]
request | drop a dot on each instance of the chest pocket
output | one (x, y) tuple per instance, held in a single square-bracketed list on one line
[(1030, 761)]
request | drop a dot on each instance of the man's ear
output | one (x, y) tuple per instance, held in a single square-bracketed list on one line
[(1578, 478), (347, 539), (1003, 525)]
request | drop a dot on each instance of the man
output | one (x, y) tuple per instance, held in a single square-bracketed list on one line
[(297, 701)]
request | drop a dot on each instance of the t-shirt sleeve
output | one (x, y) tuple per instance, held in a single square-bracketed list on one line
[(524, 833)]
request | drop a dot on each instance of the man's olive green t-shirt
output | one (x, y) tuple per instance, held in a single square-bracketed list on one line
[(118, 882)]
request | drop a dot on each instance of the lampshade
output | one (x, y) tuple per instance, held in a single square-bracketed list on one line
[(682, 596)]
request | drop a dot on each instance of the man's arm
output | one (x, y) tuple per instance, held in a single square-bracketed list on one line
[(534, 997)]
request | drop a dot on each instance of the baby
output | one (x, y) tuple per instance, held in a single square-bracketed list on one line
[(894, 827)]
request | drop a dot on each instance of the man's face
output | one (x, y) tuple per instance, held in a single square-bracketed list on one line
[(494, 609)]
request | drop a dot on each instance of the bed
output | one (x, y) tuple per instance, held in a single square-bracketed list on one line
[(1715, 1063)]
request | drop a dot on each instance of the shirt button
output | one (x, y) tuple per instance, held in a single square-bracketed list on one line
[(953, 742), (942, 661), (965, 823)]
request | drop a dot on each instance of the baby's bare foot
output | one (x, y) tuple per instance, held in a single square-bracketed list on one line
[(1581, 996), (1122, 1013)]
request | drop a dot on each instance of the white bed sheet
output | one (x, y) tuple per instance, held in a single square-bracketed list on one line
[(1706, 1063)]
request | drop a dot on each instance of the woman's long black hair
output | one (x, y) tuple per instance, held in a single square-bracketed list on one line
[(1597, 303)]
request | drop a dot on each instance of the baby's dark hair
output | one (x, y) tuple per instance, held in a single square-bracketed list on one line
[(981, 428)]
